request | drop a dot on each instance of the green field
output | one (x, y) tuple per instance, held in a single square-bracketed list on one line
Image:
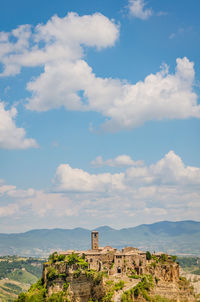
[(17, 274), (190, 264)]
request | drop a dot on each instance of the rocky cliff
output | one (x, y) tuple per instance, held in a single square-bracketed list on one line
[(69, 279)]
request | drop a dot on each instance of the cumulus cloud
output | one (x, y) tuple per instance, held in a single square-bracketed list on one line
[(62, 38), (119, 161), (44, 204), (137, 9), (12, 137), (69, 179), (68, 81), (167, 189), (160, 96), (170, 170)]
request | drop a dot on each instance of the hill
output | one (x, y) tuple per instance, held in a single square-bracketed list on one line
[(181, 237), (16, 275)]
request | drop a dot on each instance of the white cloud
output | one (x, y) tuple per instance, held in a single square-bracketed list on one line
[(137, 9), (6, 188), (69, 81), (16, 193), (160, 96), (119, 161), (169, 172), (12, 137), (69, 179), (45, 204), (8, 210), (62, 38), (167, 189)]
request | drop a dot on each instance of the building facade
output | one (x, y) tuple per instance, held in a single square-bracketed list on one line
[(109, 259)]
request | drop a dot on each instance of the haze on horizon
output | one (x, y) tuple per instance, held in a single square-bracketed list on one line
[(99, 113)]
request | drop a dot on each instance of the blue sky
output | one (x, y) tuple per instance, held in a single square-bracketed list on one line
[(99, 113)]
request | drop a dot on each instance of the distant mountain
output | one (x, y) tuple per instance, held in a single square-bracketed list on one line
[(181, 237)]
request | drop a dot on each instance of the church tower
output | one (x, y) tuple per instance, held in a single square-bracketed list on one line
[(95, 240)]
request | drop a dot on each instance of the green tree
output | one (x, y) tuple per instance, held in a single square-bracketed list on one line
[(148, 255)]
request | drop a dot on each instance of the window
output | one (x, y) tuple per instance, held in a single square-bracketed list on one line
[(119, 270), (91, 260)]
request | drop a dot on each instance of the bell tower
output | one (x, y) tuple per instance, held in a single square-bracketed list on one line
[(95, 240)]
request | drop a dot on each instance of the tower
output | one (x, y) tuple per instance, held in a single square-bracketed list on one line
[(95, 240)]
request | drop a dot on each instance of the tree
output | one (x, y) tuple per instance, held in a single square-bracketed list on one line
[(148, 255)]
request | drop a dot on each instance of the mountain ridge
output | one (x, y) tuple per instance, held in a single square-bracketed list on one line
[(180, 237)]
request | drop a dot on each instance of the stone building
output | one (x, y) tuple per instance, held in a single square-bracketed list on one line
[(110, 259)]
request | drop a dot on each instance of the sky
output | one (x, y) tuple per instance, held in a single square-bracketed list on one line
[(99, 113)]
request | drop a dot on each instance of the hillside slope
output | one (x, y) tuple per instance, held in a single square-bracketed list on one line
[(16, 275)]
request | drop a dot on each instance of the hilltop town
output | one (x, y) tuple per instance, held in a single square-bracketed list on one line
[(105, 274), (112, 260)]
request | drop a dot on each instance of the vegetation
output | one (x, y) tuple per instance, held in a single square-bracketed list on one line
[(160, 299), (163, 257), (141, 289), (17, 274), (119, 285), (13, 287), (154, 257), (190, 264), (148, 255), (52, 273), (10, 263), (134, 276), (36, 293), (58, 297), (173, 258)]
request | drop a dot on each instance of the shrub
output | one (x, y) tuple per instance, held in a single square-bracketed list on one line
[(65, 286), (52, 257), (58, 297), (163, 257), (173, 257), (141, 288), (21, 298), (134, 276), (77, 273), (61, 257), (108, 296), (148, 255), (119, 285), (52, 274), (72, 259), (153, 264)]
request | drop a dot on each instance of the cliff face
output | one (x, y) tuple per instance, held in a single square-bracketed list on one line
[(69, 279), (78, 285), (83, 285), (166, 272), (168, 282)]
